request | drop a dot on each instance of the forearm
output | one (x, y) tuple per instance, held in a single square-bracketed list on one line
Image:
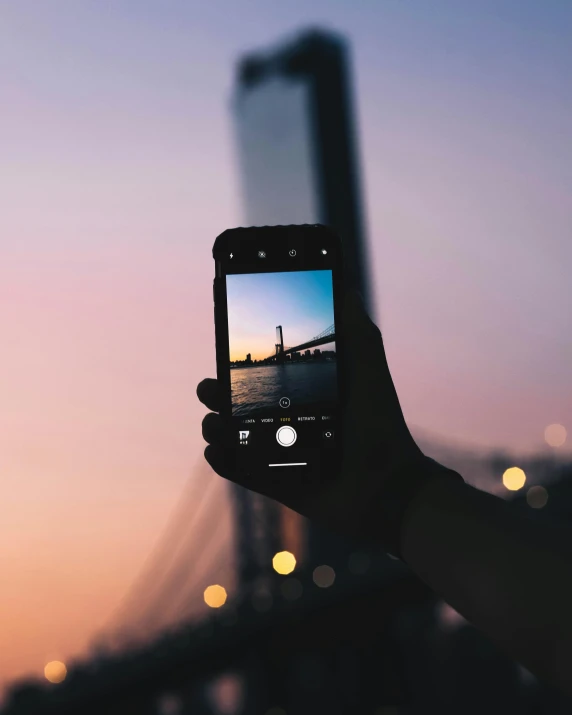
[(507, 574)]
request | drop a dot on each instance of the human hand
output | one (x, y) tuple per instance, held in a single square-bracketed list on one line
[(378, 448)]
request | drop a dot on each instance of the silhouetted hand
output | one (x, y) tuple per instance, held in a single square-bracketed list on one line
[(377, 442)]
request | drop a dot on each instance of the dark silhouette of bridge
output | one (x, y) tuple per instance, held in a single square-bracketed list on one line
[(164, 650), (280, 350)]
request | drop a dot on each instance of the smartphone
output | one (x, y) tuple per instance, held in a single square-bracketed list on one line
[(278, 294)]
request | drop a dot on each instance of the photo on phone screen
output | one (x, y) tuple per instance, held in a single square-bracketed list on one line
[(282, 341)]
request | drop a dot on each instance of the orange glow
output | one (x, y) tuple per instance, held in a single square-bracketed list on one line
[(555, 435), (514, 478), (284, 562), (215, 596), (324, 576), (55, 671)]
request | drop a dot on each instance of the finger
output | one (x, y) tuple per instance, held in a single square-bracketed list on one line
[(208, 392), (213, 428)]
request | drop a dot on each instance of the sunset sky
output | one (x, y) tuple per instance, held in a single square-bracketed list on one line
[(300, 301), (118, 169)]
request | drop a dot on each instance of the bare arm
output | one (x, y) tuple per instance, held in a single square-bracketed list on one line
[(507, 573)]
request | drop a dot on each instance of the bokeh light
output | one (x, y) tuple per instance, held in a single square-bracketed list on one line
[(514, 478), (284, 562), (537, 497), (555, 435), (215, 596), (324, 576), (169, 704), (55, 671)]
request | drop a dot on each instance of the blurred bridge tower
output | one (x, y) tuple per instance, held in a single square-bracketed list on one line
[(298, 164)]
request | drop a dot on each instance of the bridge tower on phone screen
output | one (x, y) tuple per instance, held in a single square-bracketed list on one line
[(279, 344), (298, 163)]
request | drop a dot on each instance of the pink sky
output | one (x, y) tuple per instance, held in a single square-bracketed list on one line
[(118, 172)]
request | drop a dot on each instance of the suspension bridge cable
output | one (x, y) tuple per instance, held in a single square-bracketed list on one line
[(220, 564), (206, 568), (184, 574), (179, 523), (168, 578)]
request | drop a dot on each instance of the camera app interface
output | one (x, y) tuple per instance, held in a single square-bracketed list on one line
[(282, 342)]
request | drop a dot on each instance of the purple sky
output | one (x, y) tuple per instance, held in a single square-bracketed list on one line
[(118, 170)]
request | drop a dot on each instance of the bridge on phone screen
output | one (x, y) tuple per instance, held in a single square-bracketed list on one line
[(280, 350)]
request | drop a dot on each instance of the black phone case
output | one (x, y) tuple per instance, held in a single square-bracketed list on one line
[(324, 460)]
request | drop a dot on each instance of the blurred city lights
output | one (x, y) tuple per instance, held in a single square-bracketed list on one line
[(169, 705), (55, 671), (284, 562), (215, 596), (555, 435), (291, 589), (226, 693), (537, 497), (514, 478), (324, 576)]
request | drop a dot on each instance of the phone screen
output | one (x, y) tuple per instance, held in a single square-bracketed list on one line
[(280, 362), (282, 343)]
